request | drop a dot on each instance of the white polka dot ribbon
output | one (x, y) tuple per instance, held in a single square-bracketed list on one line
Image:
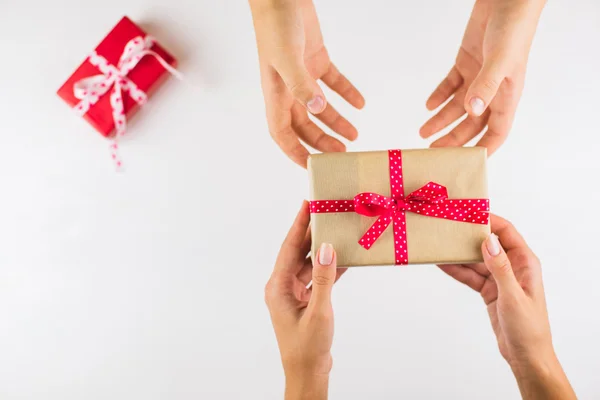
[(90, 90), (431, 200)]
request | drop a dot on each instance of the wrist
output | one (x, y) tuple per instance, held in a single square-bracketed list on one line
[(266, 4), (534, 7), (542, 364), (306, 386), (542, 378)]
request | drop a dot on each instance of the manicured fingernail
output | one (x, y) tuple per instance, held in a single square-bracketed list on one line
[(477, 106), (493, 245), (326, 254), (316, 104)]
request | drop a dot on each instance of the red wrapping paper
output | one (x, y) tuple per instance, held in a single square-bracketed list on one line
[(147, 75)]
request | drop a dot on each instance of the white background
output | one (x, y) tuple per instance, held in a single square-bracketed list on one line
[(149, 284)]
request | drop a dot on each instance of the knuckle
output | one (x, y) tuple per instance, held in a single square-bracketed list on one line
[(320, 315), (453, 81), (300, 89), (457, 100), (320, 139), (525, 259), (521, 259), (274, 289), (490, 84), (503, 266), (268, 295), (278, 134), (320, 280), (336, 120)]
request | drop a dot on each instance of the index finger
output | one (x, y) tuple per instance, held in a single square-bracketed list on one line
[(290, 144), (292, 250), (342, 86), (499, 125)]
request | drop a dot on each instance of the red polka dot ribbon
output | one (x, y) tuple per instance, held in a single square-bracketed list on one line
[(90, 90), (431, 200)]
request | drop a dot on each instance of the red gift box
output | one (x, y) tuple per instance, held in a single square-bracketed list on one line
[(146, 74)]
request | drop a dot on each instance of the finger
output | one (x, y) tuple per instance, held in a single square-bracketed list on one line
[(492, 140), (337, 123), (447, 115), (301, 84), (464, 275), (290, 255), (339, 272), (342, 86), (306, 243), (305, 274), (323, 276), (484, 88), (314, 136), (507, 233), (499, 265), (278, 103), (499, 125), (465, 131), (445, 89), (289, 143)]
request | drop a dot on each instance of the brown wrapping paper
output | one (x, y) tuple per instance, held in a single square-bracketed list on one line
[(341, 176)]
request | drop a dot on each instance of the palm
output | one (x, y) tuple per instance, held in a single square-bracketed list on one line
[(289, 122), (477, 276), (483, 41), (296, 281)]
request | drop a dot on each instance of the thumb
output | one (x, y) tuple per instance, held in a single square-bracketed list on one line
[(303, 86), (484, 88), (323, 277), (498, 264)]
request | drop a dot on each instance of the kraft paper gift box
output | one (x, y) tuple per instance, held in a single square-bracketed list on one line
[(434, 200)]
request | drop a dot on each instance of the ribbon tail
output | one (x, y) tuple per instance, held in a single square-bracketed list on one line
[(475, 211), (165, 65), (400, 245), (375, 231), (116, 100)]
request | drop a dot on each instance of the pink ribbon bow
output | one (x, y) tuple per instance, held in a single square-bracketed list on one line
[(89, 90), (431, 200)]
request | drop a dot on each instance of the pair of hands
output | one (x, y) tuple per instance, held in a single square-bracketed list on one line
[(509, 281), (486, 81)]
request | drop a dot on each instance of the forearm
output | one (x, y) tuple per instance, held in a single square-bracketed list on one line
[(306, 388), (543, 379)]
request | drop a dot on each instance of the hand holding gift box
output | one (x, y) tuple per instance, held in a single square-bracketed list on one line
[(435, 200), (129, 64)]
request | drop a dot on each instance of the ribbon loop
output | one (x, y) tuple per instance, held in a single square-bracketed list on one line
[(373, 204), (430, 200), (430, 193), (90, 89)]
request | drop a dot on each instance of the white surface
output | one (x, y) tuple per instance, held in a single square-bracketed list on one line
[(149, 285)]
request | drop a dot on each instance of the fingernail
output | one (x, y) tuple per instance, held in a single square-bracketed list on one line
[(477, 106), (493, 245), (326, 254), (316, 104)]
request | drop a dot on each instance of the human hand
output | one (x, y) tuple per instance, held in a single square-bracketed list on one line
[(292, 57), (488, 76), (510, 282), (303, 317)]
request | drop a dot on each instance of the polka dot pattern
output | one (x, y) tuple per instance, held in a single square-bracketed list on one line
[(90, 89), (329, 206), (397, 186), (431, 200)]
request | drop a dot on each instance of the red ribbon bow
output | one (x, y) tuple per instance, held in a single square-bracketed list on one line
[(430, 200)]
